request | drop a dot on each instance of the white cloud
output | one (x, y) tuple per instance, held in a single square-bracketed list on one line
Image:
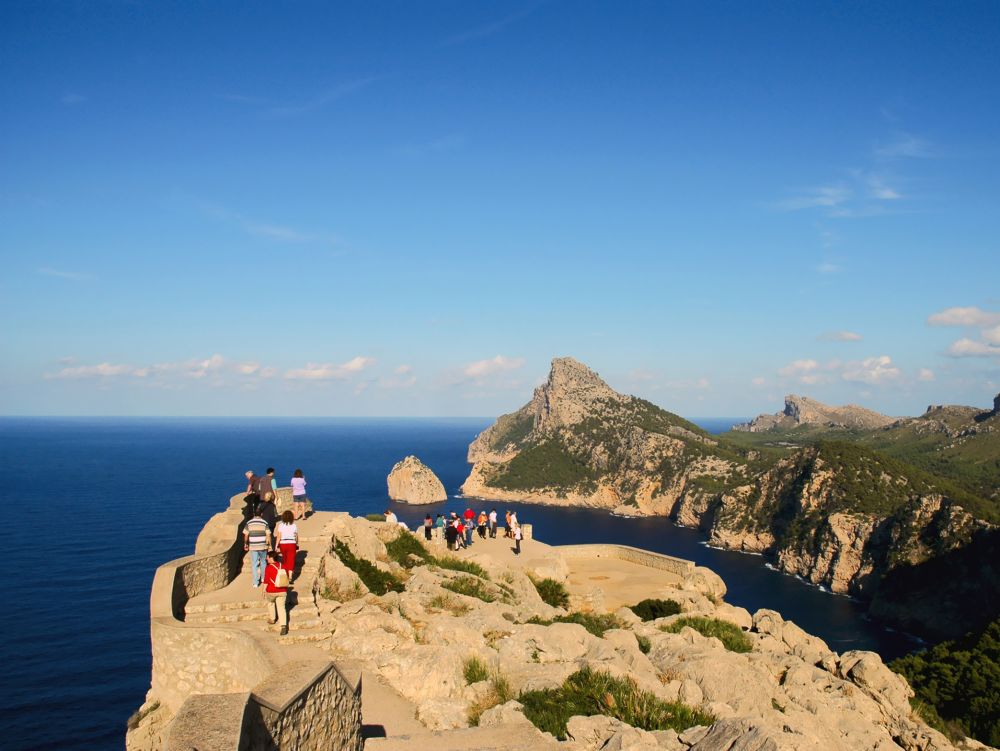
[(840, 336), (992, 335), (759, 381), (498, 364), (799, 368), (403, 369), (201, 368), (871, 370), (971, 316), (639, 374), (828, 268), (702, 383), (102, 370), (329, 371), (880, 190), (925, 374), (966, 347), (247, 368)]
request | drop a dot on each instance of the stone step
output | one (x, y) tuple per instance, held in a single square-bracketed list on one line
[(517, 738), (216, 607), (317, 637), (231, 616), (299, 624)]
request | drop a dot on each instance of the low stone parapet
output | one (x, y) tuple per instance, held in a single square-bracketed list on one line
[(679, 566)]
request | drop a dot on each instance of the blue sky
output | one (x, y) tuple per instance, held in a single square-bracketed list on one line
[(409, 208)]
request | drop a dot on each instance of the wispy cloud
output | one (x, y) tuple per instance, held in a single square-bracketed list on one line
[(969, 316), (194, 368), (492, 366), (76, 276), (840, 336), (101, 370), (329, 371), (904, 145), (823, 196), (321, 100), (828, 267), (874, 370), (925, 374), (269, 230), (488, 29)]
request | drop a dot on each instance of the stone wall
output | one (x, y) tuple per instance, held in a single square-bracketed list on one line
[(324, 713), (678, 566)]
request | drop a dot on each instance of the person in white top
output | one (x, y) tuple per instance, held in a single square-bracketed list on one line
[(299, 498), (287, 536), (493, 523), (390, 518)]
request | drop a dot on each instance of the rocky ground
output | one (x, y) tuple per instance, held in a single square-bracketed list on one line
[(790, 691)]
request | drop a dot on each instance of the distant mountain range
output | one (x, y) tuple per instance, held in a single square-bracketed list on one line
[(886, 509)]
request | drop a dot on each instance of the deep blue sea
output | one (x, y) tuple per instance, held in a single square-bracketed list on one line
[(97, 504)]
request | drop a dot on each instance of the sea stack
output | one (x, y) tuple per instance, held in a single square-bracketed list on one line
[(412, 481)]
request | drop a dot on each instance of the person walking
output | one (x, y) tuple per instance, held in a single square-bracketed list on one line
[(481, 525), (272, 484), (269, 513), (287, 534), (277, 596), (517, 540), (257, 541), (507, 532), (493, 523), (252, 497), (428, 526), (299, 498)]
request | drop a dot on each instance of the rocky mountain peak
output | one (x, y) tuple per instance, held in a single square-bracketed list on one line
[(569, 395)]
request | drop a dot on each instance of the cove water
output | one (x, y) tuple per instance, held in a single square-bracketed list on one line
[(96, 505)]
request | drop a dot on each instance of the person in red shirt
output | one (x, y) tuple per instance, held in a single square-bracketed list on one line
[(277, 597)]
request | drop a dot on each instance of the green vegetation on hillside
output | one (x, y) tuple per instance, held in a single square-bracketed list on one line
[(961, 681), (552, 592), (595, 623), (731, 635), (548, 464), (378, 581), (512, 429), (588, 692)]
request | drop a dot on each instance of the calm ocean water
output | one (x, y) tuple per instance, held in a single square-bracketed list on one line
[(98, 504)]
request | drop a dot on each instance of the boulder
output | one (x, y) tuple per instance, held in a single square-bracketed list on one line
[(412, 481), (443, 714), (511, 713)]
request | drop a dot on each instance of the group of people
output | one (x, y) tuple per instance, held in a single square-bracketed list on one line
[(272, 542), (458, 530)]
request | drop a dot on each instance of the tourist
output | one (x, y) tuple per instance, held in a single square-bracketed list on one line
[(390, 518), (507, 530), (460, 532), (252, 497), (299, 498), (493, 523), (268, 511), (287, 535), (451, 536), (257, 541), (517, 540), (271, 482), (428, 526), (468, 525), (277, 596), (481, 524)]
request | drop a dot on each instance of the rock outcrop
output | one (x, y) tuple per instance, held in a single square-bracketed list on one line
[(801, 410), (412, 481)]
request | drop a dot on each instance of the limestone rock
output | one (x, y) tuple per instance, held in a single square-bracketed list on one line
[(442, 714), (511, 713), (412, 481), (801, 410)]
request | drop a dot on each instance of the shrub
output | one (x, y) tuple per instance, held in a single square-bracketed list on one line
[(552, 592), (446, 602), (500, 692), (375, 517), (457, 564), (378, 582), (140, 714), (731, 636), (475, 670), (342, 594), (645, 645), (403, 547), (595, 623), (650, 610), (589, 692), (471, 587)]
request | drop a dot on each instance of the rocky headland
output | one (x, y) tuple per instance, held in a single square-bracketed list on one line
[(801, 410), (842, 514), (412, 481), (398, 645)]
